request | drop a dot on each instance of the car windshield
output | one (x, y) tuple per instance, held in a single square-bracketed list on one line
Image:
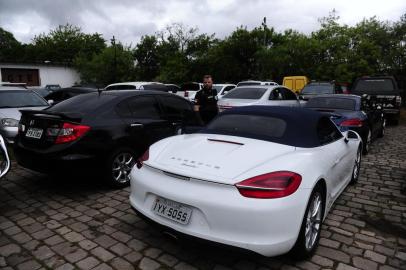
[(17, 99), (332, 103), (374, 85), (82, 103), (318, 89), (251, 126), (246, 93)]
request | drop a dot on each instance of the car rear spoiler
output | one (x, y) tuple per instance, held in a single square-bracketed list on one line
[(70, 116)]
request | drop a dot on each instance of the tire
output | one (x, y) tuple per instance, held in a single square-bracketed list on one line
[(367, 142), (356, 168), (310, 229), (118, 167), (382, 131)]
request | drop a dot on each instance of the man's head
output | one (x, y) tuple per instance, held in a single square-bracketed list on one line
[(207, 82)]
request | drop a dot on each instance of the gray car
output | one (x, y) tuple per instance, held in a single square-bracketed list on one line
[(266, 95), (12, 100)]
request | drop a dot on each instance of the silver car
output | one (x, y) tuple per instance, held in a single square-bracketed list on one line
[(12, 100), (266, 95)]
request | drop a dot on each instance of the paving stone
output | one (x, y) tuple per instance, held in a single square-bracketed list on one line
[(333, 254), (30, 265), (120, 249), (73, 237), (322, 261), (9, 249), (43, 234), (375, 256), (329, 243), (102, 266), (184, 266), (88, 263), (118, 263), (152, 252), (342, 266), (22, 237), (66, 266), (75, 256), (148, 264), (105, 241), (87, 244), (43, 253), (364, 263), (102, 254), (54, 240), (136, 245)]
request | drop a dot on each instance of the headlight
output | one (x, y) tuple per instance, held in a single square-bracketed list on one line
[(9, 122)]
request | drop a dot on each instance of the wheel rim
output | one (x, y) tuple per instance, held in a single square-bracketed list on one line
[(368, 142), (122, 166), (313, 221), (357, 165)]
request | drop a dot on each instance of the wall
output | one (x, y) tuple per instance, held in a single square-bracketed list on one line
[(49, 74)]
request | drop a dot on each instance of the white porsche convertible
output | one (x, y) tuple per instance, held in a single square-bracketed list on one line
[(258, 178)]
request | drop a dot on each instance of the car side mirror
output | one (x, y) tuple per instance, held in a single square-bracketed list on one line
[(4, 158), (51, 102)]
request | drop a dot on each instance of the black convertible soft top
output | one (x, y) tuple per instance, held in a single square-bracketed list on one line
[(300, 124)]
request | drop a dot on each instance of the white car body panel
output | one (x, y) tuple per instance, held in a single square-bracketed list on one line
[(202, 178), (226, 103)]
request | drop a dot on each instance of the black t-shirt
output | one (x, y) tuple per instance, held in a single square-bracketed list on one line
[(207, 100)]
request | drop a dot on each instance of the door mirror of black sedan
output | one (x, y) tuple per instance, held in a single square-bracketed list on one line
[(4, 158)]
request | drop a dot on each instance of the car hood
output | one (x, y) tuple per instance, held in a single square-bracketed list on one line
[(15, 112), (217, 158), (237, 102)]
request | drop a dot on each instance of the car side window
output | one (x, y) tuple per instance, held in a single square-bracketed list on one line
[(176, 108), (113, 87), (289, 95), (276, 94), (227, 89), (327, 132), (146, 107)]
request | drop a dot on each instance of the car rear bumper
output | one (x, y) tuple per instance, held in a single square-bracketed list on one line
[(54, 162), (220, 213)]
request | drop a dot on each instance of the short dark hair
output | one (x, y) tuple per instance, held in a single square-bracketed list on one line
[(207, 77)]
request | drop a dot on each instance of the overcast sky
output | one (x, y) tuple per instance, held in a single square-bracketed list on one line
[(128, 20)]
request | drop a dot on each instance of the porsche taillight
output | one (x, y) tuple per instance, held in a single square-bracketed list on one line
[(270, 186), (355, 122), (143, 158)]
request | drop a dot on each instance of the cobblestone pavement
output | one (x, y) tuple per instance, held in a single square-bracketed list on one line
[(47, 223)]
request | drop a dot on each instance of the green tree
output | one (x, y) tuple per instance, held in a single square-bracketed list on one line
[(10, 48)]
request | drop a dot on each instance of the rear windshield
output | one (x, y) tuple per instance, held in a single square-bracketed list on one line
[(246, 93), (251, 126), (18, 99), (82, 103), (374, 85), (248, 83), (318, 89), (332, 103)]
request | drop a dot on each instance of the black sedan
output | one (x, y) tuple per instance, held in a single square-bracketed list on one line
[(354, 113), (108, 131)]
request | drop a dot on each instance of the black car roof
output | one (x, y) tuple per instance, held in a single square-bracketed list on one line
[(301, 123)]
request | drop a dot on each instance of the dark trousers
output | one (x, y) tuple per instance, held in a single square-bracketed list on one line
[(207, 116)]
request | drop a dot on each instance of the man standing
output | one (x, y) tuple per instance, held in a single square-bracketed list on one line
[(206, 100)]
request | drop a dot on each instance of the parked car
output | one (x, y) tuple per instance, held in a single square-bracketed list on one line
[(386, 92), (129, 85), (223, 89), (53, 87), (350, 112), (248, 83), (295, 83), (12, 100), (258, 178), (173, 88), (66, 93), (4, 158), (320, 88), (188, 90), (259, 95), (43, 92), (104, 132)]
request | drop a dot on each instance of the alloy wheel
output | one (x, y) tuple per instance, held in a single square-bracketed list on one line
[(121, 168), (313, 221), (357, 166)]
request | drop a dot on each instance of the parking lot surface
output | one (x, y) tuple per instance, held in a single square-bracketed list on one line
[(55, 222)]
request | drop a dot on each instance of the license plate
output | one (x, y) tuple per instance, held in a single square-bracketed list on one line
[(35, 133), (172, 210)]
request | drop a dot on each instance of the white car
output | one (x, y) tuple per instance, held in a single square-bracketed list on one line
[(247, 83), (274, 95), (188, 90), (258, 178), (223, 89), (4, 158), (130, 85)]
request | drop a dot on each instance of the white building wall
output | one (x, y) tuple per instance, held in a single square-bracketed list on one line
[(49, 74)]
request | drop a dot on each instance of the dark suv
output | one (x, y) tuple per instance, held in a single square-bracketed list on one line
[(384, 91)]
